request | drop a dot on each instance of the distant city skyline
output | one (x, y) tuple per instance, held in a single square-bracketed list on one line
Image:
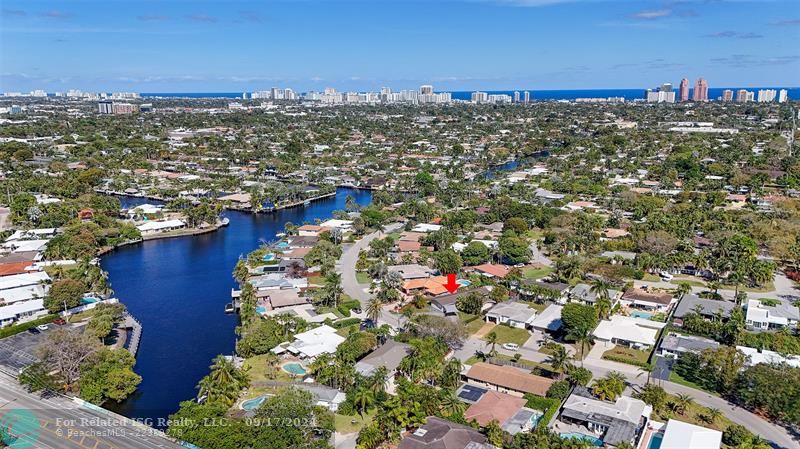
[(456, 45)]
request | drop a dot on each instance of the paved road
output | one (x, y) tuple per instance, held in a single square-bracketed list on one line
[(783, 286), (538, 257), (64, 424)]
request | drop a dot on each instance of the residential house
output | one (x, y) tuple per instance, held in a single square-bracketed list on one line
[(756, 356), (549, 319), (514, 314), (507, 379), (494, 406), (156, 227), (629, 331), (492, 270), (309, 230), (775, 314), (311, 343), (709, 309), (541, 291), (438, 433), (680, 435), (674, 345), (446, 304), (583, 294), (412, 271), (387, 355), (655, 302), (432, 286), (613, 422)]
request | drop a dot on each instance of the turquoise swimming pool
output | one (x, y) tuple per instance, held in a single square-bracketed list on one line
[(252, 404), (655, 441), (581, 436), (463, 282), (89, 300), (294, 368), (640, 314), (268, 257), (261, 309)]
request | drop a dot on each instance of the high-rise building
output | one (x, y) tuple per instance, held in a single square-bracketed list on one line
[(479, 97), (105, 107), (516, 96), (426, 89), (742, 96), (700, 90), (662, 94), (727, 95), (683, 91), (767, 95), (274, 93), (526, 97), (783, 96)]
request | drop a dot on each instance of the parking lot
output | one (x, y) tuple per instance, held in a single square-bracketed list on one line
[(19, 351)]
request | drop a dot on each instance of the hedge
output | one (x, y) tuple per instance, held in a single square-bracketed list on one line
[(13, 330), (345, 323), (548, 406), (627, 361), (345, 307)]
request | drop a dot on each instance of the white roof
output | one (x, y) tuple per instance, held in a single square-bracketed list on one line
[(148, 208), (13, 295), (426, 227), (23, 246), (13, 310), (320, 340), (549, 318), (157, 225), (333, 223), (23, 280), (765, 356), (636, 330), (681, 435), (30, 233)]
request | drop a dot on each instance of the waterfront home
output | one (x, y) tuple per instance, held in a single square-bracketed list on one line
[(514, 314), (549, 319), (275, 299), (654, 302), (24, 246), (709, 309), (311, 343), (612, 422), (22, 311), (342, 225), (494, 406), (438, 433), (330, 398), (309, 230), (17, 263), (156, 227), (32, 234), (771, 314), (433, 286), (628, 331), (272, 281), (388, 355), (425, 228), (23, 287), (674, 345), (507, 379), (302, 241)]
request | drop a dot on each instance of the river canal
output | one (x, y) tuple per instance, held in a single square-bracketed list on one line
[(178, 287)]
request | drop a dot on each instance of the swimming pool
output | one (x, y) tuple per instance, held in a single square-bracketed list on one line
[(655, 441), (463, 282), (640, 314), (580, 436), (268, 257), (89, 300), (261, 309), (294, 368), (252, 404)]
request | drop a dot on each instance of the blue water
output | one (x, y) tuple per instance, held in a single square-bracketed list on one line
[(252, 404), (294, 368), (638, 314), (655, 441), (580, 436), (178, 289), (564, 94)]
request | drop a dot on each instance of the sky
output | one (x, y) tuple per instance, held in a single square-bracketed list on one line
[(246, 45)]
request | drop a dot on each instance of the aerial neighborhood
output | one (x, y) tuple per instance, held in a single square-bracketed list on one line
[(558, 274)]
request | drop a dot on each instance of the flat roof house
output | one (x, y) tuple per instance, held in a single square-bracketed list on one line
[(388, 355), (681, 435), (311, 343), (761, 316), (674, 345), (583, 293), (514, 314), (613, 422), (446, 304), (538, 290), (628, 331), (507, 379), (549, 319), (707, 308)]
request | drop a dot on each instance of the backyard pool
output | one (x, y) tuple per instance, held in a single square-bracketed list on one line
[(268, 257), (89, 300), (261, 309), (655, 441), (580, 436), (640, 314), (252, 404), (294, 368), (464, 283)]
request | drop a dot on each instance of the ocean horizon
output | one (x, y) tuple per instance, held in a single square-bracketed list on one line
[(557, 94)]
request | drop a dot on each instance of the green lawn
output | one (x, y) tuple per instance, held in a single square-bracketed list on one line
[(535, 306), (536, 273), (363, 277), (627, 355), (472, 326), (345, 331), (258, 369), (678, 379), (649, 277), (695, 414), (352, 424), (507, 334)]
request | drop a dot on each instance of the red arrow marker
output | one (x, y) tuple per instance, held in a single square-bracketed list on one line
[(451, 284)]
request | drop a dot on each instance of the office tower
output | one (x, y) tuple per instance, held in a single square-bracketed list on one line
[(662, 94), (105, 107), (274, 93), (526, 97), (700, 90), (684, 90), (727, 95), (741, 96), (426, 89), (288, 94), (783, 96)]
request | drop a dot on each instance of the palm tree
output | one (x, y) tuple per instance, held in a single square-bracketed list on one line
[(603, 307), (332, 290), (600, 288), (682, 403), (452, 405), (363, 399), (647, 370), (684, 288), (559, 358), (491, 339), (378, 379), (713, 414), (583, 337), (374, 309)]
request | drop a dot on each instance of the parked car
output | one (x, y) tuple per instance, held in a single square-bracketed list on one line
[(59, 321), (42, 327), (665, 276), (511, 346), (33, 330), (356, 310)]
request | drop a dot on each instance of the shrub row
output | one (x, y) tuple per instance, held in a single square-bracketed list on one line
[(13, 330)]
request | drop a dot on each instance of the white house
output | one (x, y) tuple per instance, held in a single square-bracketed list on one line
[(21, 311), (311, 343), (426, 227), (761, 316), (154, 227), (757, 356), (514, 314), (628, 331), (681, 435), (342, 225)]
